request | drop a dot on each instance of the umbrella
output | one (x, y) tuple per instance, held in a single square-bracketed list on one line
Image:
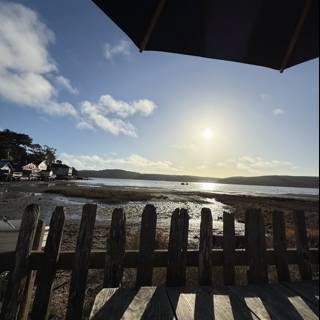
[(270, 33)]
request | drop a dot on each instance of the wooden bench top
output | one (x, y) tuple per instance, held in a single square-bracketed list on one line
[(270, 301)]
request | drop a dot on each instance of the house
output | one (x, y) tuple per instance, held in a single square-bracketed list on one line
[(5, 167), (73, 173), (31, 167), (61, 171), (43, 166)]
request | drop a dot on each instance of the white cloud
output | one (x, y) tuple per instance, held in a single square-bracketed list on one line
[(25, 62), (133, 162), (278, 112), (120, 49), (125, 109), (66, 84), (84, 125), (107, 113), (258, 165), (96, 116)]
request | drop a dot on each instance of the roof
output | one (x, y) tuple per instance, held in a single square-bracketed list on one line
[(4, 162)]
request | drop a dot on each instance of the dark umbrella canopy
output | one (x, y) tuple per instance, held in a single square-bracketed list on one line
[(273, 33)]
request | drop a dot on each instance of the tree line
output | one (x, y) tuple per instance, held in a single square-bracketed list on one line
[(19, 148)]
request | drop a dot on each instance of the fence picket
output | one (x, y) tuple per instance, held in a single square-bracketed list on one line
[(280, 245), (256, 246), (229, 246), (17, 281), (81, 263), (302, 245), (116, 242), (37, 245), (178, 244), (46, 274), (147, 243), (205, 248)]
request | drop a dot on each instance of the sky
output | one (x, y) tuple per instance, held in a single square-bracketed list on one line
[(71, 79)]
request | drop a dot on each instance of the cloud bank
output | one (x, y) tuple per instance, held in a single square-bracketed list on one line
[(257, 165), (109, 114), (29, 76), (25, 62), (133, 162)]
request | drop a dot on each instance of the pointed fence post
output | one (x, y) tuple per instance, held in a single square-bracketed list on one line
[(256, 246), (178, 245), (47, 273), (113, 270), (81, 262), (37, 245), (302, 245), (229, 247), (280, 245), (205, 248), (147, 244), (18, 277)]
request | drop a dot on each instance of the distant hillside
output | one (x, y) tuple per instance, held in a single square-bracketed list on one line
[(279, 181)]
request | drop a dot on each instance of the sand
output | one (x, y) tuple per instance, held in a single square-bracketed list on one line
[(16, 196)]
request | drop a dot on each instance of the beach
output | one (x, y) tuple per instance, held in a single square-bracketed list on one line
[(16, 196)]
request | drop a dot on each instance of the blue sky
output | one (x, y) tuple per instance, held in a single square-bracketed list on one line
[(71, 79)]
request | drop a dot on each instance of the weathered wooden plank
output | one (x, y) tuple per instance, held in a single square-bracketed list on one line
[(159, 259), (305, 307), (273, 302), (190, 304), (308, 290), (256, 246), (18, 277), (178, 244), (101, 307), (46, 274), (229, 246), (302, 245), (135, 303), (15, 289), (226, 305), (37, 245), (205, 248), (280, 245), (114, 257), (147, 244), (251, 301), (159, 306), (81, 263), (302, 309)]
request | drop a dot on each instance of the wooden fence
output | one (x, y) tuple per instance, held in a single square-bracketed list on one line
[(29, 258)]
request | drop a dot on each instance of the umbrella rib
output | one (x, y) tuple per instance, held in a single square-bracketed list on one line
[(152, 24), (295, 35)]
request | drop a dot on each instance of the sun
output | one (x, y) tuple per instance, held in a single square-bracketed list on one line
[(207, 134)]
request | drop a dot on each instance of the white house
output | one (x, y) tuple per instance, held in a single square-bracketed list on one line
[(5, 167), (43, 166), (31, 167)]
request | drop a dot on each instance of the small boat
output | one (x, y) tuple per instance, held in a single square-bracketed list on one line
[(9, 231)]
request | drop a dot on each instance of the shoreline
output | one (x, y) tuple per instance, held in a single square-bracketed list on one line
[(45, 186), (15, 196), (133, 199)]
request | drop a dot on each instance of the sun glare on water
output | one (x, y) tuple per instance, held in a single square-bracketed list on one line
[(207, 134)]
